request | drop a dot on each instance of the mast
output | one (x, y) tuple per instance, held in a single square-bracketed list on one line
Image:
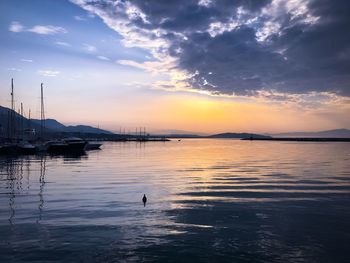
[(12, 96), (8, 124), (42, 115), (22, 124), (18, 124), (29, 124), (12, 122)]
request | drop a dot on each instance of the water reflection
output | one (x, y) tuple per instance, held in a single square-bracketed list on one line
[(223, 199), (25, 175), (13, 170), (42, 184)]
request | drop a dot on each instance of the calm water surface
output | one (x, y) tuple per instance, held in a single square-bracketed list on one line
[(208, 201)]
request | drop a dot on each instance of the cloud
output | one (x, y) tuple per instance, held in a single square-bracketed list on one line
[(79, 18), (15, 69), (131, 63), (240, 48), (48, 73), (84, 17), (47, 30), (61, 43), (103, 58), (90, 48), (17, 27), (150, 66), (26, 60), (205, 3)]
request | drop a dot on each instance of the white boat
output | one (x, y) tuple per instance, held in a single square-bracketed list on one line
[(92, 146)]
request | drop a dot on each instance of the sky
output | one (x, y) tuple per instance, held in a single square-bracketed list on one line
[(204, 66)]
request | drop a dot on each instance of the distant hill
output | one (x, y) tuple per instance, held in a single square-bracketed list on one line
[(338, 133), (51, 125), (59, 127), (86, 129), (178, 133), (19, 120), (230, 135), (227, 135)]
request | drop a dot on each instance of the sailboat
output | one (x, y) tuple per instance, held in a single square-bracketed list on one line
[(10, 147)]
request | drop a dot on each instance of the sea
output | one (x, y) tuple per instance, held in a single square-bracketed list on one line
[(208, 200)]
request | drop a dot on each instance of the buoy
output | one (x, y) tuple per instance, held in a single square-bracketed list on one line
[(144, 200)]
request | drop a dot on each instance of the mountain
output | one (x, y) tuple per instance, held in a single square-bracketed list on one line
[(19, 120), (86, 129), (59, 127), (179, 135), (337, 133), (178, 132), (51, 125), (56, 126), (229, 135)]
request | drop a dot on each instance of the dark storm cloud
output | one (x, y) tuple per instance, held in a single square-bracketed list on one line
[(245, 46), (188, 15), (232, 61)]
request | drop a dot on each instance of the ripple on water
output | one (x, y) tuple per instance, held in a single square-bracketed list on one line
[(232, 201)]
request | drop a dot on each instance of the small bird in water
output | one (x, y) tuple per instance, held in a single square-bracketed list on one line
[(144, 200)]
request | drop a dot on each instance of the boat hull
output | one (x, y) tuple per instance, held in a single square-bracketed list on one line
[(27, 150), (93, 146), (9, 149), (57, 148), (76, 146)]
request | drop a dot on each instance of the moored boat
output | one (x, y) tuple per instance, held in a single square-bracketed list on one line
[(56, 147), (75, 144), (26, 148), (92, 146), (9, 149)]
